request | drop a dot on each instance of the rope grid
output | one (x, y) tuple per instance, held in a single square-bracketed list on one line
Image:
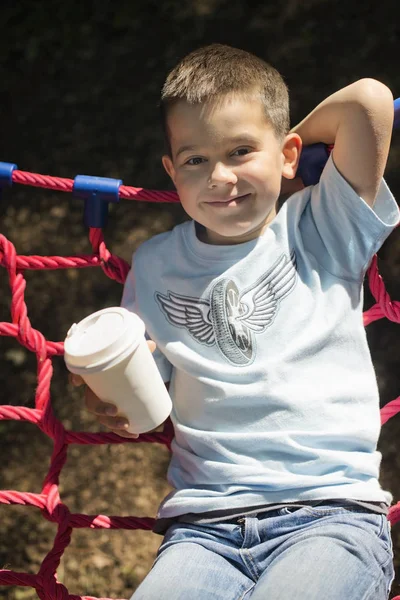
[(49, 501)]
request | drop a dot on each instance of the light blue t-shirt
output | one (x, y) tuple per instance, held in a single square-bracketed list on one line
[(274, 393)]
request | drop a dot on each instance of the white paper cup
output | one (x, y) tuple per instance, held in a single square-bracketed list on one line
[(109, 351)]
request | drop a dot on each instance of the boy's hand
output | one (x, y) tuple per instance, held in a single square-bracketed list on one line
[(106, 412)]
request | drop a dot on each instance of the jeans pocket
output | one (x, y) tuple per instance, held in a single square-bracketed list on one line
[(376, 524), (386, 536), (388, 566)]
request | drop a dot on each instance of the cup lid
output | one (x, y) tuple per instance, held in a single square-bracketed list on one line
[(101, 337)]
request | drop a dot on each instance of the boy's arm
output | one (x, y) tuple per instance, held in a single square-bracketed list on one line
[(358, 120)]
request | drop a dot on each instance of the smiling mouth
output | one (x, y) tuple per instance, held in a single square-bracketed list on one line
[(227, 203)]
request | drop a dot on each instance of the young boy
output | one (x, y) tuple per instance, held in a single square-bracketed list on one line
[(257, 318)]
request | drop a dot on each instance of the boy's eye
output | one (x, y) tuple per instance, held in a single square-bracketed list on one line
[(196, 160), (241, 151)]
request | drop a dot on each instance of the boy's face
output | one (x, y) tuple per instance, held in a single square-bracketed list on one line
[(227, 165)]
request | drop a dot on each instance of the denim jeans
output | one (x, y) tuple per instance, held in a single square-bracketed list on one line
[(324, 552)]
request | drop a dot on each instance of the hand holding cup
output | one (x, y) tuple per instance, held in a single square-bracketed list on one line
[(108, 351), (105, 412)]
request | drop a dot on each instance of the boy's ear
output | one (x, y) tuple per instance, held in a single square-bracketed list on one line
[(169, 166), (291, 151)]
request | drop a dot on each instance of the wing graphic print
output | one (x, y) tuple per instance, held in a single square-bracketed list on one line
[(261, 300), (191, 313)]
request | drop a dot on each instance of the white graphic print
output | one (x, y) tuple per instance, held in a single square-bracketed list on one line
[(230, 319)]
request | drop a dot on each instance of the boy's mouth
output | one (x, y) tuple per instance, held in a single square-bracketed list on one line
[(230, 202)]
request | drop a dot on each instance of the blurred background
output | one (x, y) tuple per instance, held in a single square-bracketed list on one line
[(80, 84)]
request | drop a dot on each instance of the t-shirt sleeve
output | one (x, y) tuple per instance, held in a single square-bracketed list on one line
[(340, 229), (128, 301)]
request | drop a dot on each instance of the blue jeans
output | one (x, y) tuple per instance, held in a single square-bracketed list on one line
[(324, 552)]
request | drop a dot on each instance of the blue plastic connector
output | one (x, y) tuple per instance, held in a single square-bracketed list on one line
[(97, 193), (6, 171), (312, 162), (396, 113)]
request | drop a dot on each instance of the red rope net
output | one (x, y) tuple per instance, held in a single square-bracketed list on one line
[(49, 501)]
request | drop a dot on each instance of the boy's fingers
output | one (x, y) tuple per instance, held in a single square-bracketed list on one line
[(97, 406), (125, 434), (116, 424), (102, 409), (152, 345)]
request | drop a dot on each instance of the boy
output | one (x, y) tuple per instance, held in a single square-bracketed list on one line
[(257, 318)]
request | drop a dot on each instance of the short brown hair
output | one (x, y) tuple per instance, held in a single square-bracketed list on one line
[(214, 71)]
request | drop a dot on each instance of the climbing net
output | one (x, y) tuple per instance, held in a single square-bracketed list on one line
[(96, 192)]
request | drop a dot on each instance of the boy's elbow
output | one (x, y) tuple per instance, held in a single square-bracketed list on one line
[(374, 95)]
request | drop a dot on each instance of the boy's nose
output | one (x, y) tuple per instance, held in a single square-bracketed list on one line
[(221, 175)]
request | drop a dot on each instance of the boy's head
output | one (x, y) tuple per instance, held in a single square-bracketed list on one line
[(226, 120), (211, 73)]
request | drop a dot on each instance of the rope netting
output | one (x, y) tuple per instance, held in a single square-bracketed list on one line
[(49, 501)]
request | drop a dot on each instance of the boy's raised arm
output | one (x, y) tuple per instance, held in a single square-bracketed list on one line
[(358, 119)]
